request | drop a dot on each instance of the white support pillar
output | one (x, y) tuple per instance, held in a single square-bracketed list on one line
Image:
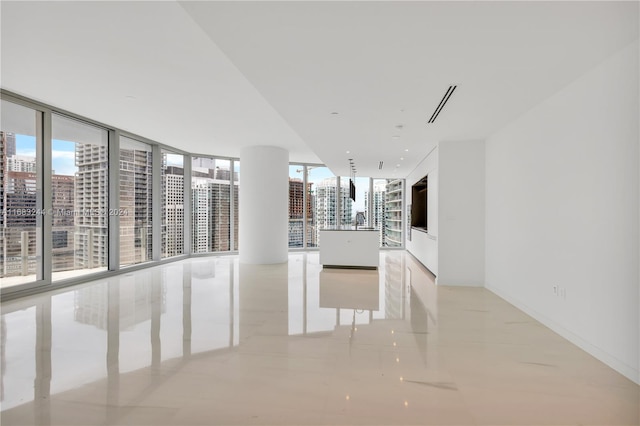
[(263, 205)]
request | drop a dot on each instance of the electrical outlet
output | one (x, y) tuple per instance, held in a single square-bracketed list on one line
[(555, 290), (563, 293)]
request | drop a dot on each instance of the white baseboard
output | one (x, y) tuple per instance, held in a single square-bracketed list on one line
[(630, 372)]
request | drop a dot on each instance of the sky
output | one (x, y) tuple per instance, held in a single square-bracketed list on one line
[(62, 154)]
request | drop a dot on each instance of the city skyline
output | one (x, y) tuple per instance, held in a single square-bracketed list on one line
[(80, 184)]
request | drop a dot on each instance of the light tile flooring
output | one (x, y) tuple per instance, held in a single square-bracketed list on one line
[(208, 341)]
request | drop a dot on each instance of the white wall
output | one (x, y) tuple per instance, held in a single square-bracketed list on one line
[(453, 249), (562, 197), (461, 207)]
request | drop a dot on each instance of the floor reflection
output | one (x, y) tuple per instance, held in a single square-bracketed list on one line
[(175, 343), (146, 317), (349, 289)]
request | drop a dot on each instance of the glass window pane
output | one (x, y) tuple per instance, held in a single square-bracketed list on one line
[(296, 206), (135, 202), (172, 204), (20, 223), (358, 209), (322, 196), (236, 197), (211, 201), (393, 213), (387, 211), (347, 205), (80, 187)]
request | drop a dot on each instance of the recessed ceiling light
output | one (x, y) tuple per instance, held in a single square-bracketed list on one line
[(406, 150), (397, 165), (348, 152), (401, 158)]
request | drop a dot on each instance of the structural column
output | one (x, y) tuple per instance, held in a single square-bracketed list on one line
[(263, 203)]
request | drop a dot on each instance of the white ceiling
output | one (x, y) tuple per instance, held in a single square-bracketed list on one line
[(212, 77)]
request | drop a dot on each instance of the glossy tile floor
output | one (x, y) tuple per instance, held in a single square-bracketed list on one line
[(208, 341)]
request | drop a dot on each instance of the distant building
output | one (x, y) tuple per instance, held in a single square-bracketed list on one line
[(136, 206), (173, 212), (9, 144), (379, 205), (21, 163), (213, 204), (387, 211), (296, 212), (91, 206), (211, 219), (393, 213), (327, 215), (63, 194), (18, 219)]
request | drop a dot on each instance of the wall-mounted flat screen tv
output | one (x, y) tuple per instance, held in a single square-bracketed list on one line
[(419, 204), (352, 190)]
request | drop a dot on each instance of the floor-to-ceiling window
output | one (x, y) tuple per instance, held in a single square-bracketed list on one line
[(297, 195), (376, 202), (80, 197), (213, 198), (67, 191), (20, 201), (135, 202), (172, 204)]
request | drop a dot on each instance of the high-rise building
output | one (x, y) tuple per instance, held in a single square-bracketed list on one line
[(211, 215), (200, 196), (3, 172), (378, 206), (173, 211), (9, 144), (213, 204), (135, 205), (326, 195), (18, 218), (21, 163), (296, 211), (91, 206), (19, 222), (393, 213), (386, 214), (63, 199), (311, 217)]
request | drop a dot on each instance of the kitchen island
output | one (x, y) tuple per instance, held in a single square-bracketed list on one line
[(349, 248)]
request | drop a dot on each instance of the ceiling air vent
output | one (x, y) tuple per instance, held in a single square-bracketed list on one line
[(442, 103), (380, 165)]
